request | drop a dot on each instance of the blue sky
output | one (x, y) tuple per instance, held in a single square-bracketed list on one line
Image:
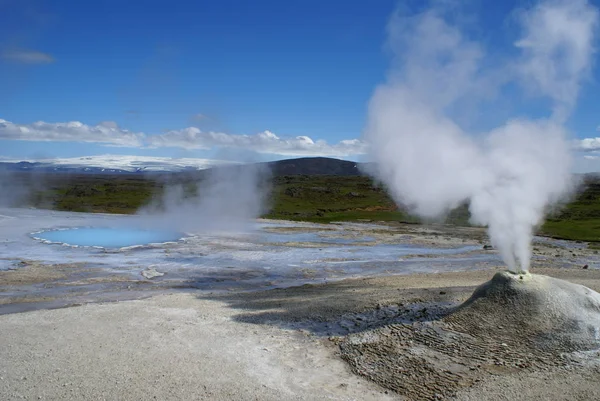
[(299, 73)]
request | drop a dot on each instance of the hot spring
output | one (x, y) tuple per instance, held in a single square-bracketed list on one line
[(105, 237)]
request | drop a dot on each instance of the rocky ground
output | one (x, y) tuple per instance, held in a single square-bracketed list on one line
[(170, 347), (286, 344), (396, 332)]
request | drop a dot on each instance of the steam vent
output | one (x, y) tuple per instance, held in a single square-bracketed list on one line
[(512, 324), (542, 311)]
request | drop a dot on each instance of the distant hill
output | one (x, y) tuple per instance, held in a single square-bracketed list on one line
[(314, 166)]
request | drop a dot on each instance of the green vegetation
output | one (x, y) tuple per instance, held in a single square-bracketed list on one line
[(94, 194), (293, 197), (579, 219), (331, 198)]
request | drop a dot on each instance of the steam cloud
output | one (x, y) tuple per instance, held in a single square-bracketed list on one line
[(225, 199), (17, 189), (510, 175), (9, 194)]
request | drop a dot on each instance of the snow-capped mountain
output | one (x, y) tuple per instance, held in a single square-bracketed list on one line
[(111, 164)]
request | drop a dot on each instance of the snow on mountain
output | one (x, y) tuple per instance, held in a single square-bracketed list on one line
[(108, 163)]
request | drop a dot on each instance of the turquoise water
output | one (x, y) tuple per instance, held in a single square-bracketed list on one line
[(109, 237)]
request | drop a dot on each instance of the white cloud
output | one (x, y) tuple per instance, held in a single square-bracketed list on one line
[(25, 56), (263, 142), (108, 133), (109, 124), (587, 144)]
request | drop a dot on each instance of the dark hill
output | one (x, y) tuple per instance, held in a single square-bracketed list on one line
[(305, 166), (314, 166)]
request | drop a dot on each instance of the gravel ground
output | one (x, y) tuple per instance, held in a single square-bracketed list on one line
[(170, 347), (270, 345)]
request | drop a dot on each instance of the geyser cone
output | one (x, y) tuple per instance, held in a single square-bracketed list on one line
[(535, 310), (513, 323)]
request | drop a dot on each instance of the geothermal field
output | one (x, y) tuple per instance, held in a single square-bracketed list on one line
[(116, 308), (81, 257), (78, 256), (430, 270)]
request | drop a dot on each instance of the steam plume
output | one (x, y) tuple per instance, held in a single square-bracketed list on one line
[(225, 199), (509, 175), (17, 188)]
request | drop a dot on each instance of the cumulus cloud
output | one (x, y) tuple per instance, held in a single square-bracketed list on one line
[(263, 142), (587, 144), (110, 134), (107, 133), (24, 56)]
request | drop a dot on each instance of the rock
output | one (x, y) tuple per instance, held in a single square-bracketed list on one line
[(585, 266), (487, 247), (151, 273)]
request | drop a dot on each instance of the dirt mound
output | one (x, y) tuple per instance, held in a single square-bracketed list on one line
[(535, 310), (511, 324)]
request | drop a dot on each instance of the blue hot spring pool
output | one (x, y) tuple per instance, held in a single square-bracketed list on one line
[(108, 237)]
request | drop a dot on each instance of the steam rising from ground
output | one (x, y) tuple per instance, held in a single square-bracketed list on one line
[(16, 189), (9, 195), (510, 175), (226, 198)]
